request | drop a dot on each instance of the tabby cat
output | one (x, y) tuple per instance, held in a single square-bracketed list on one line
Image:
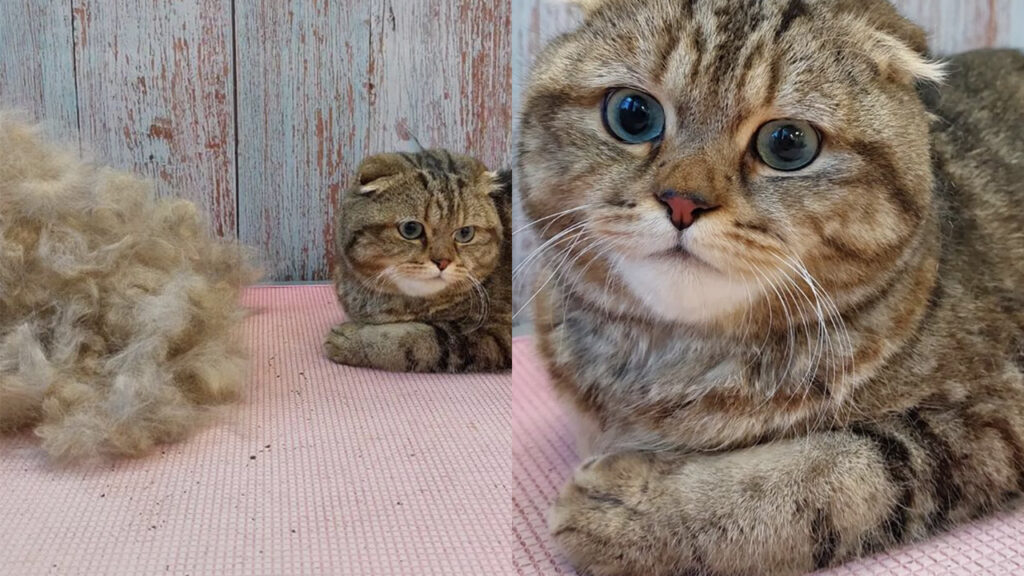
[(423, 266), (791, 307)]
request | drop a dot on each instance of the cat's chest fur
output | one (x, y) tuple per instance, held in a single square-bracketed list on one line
[(375, 307), (643, 388)]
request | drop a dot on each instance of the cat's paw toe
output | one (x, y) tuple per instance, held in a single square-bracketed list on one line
[(603, 518), (341, 346)]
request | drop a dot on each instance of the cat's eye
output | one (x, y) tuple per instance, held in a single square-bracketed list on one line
[(788, 145), (465, 235), (634, 117), (411, 230)]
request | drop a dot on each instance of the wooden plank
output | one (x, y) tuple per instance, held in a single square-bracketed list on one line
[(322, 84), (960, 25), (37, 64), (156, 95)]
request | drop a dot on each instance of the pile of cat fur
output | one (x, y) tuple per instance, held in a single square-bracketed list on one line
[(119, 312)]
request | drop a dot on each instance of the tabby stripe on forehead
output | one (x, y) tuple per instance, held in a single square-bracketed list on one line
[(795, 9), (899, 469), (735, 26), (698, 49), (666, 49), (450, 163), (945, 469), (753, 55), (774, 79), (424, 178)]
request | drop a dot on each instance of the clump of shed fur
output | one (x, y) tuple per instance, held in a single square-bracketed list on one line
[(119, 312)]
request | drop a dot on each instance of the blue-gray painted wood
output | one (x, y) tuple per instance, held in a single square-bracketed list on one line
[(321, 85), (156, 95), (37, 74)]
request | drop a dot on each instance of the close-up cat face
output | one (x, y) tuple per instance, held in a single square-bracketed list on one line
[(738, 150), (421, 225)]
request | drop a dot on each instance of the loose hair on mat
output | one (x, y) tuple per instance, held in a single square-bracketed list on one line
[(119, 312)]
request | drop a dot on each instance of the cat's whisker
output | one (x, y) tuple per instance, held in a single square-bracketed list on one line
[(548, 281), (485, 302), (601, 246), (830, 307), (550, 243), (553, 217), (790, 335), (818, 348)]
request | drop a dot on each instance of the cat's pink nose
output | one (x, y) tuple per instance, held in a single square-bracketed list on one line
[(684, 209), (442, 264)]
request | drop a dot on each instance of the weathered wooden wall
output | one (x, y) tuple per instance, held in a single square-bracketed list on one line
[(321, 84), (260, 110), (155, 95), (954, 26), (37, 70), (151, 85)]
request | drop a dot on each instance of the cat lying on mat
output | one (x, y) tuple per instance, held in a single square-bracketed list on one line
[(423, 266), (794, 327), (118, 311)]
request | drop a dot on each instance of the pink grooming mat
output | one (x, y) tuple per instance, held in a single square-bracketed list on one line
[(323, 470), (543, 458)]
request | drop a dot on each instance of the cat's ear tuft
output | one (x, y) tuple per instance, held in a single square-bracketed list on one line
[(899, 46), (903, 63), (501, 184), (375, 169)]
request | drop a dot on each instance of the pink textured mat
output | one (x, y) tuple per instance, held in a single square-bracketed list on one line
[(324, 470), (543, 457)]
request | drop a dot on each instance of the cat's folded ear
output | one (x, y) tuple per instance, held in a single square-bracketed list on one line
[(375, 170), (899, 46), (501, 184)]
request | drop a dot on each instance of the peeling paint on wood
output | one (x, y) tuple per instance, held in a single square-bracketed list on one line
[(323, 84), (961, 25), (156, 93), (37, 64)]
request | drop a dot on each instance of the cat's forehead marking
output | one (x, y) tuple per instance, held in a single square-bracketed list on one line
[(710, 61)]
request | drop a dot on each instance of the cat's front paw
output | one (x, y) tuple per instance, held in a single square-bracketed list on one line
[(606, 519), (343, 345)]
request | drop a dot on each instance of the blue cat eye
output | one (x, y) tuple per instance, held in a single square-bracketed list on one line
[(465, 235), (788, 145), (634, 117), (411, 230)]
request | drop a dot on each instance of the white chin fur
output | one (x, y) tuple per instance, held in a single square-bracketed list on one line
[(685, 291), (419, 288)]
